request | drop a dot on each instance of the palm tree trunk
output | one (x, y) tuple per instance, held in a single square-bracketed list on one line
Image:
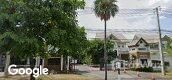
[(105, 54), (7, 63)]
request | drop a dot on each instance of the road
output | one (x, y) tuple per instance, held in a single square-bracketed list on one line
[(112, 75), (94, 72), (1, 74)]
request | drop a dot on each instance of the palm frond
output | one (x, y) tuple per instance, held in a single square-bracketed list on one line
[(105, 9)]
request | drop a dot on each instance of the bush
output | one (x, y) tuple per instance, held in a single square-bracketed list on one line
[(149, 69), (144, 69)]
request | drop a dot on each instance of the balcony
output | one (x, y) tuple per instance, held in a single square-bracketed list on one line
[(154, 49), (144, 49)]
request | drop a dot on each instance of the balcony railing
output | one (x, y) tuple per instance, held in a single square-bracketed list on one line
[(140, 50)]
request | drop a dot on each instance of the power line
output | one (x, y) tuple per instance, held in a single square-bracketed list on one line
[(90, 10), (129, 12), (126, 31), (131, 39), (129, 30)]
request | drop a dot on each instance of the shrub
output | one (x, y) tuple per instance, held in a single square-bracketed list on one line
[(143, 69)]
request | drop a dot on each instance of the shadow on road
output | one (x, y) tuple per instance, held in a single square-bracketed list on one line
[(81, 72)]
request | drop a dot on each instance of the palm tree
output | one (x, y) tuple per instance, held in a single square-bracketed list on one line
[(105, 9)]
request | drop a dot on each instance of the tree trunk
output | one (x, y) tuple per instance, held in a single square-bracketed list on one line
[(101, 64), (74, 64), (7, 63), (105, 54), (64, 62), (32, 65)]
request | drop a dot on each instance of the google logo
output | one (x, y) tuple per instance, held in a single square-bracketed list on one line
[(28, 71)]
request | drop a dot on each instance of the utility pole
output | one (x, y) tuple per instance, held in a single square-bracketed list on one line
[(160, 43)]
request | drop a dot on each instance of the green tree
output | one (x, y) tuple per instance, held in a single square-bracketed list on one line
[(168, 46), (10, 36), (29, 26), (96, 51), (105, 9)]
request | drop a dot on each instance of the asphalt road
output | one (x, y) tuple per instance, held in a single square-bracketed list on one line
[(112, 75)]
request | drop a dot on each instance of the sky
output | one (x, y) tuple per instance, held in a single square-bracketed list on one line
[(144, 16)]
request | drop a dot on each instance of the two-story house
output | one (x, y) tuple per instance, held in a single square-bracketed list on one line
[(120, 44), (139, 52), (150, 47)]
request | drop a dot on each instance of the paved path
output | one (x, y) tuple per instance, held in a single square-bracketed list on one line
[(129, 75)]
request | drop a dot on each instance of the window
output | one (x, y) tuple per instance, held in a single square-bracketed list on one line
[(133, 49), (167, 64), (141, 48), (111, 37), (154, 46), (122, 46)]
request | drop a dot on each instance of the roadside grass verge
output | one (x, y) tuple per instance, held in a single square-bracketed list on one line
[(17, 77), (169, 74)]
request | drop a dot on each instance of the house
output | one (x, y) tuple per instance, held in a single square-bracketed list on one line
[(120, 44), (149, 44), (139, 53)]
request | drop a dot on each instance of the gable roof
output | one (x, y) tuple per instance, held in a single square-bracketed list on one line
[(149, 38), (135, 42), (166, 38), (116, 36)]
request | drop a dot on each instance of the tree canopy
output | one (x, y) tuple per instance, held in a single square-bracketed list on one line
[(28, 27), (96, 51), (168, 46), (105, 9)]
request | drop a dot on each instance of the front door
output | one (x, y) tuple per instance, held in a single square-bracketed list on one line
[(144, 62)]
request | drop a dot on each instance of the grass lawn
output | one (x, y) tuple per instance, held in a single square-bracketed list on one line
[(169, 74), (18, 77), (65, 77)]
